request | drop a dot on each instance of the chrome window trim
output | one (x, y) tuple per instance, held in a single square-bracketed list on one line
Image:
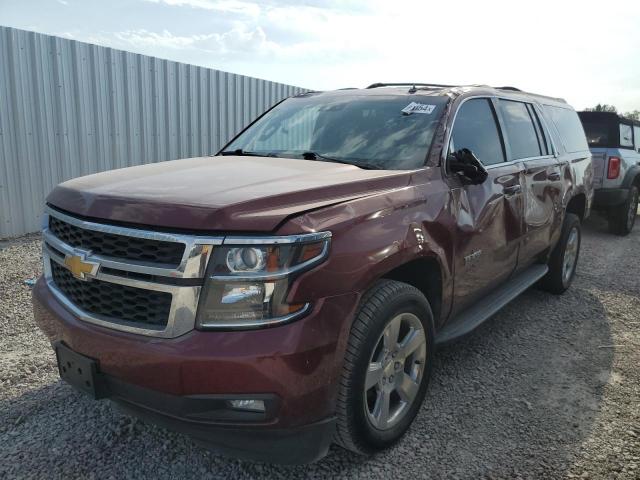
[(449, 130), (547, 130), (511, 162)]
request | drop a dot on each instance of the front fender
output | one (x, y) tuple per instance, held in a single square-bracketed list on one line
[(374, 235)]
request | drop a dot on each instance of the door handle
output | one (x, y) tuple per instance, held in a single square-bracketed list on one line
[(512, 190), (554, 176)]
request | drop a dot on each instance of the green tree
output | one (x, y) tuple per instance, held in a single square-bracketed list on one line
[(635, 115), (602, 107)]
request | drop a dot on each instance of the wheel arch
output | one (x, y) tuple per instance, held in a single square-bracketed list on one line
[(632, 177), (425, 274), (578, 205)]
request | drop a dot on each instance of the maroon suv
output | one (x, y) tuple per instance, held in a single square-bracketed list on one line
[(290, 292)]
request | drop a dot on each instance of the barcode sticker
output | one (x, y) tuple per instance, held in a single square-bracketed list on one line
[(415, 107)]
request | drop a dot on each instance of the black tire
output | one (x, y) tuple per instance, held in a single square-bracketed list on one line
[(384, 303), (556, 280), (623, 217)]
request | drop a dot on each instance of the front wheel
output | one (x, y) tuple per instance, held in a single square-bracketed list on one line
[(386, 369), (564, 258), (623, 218)]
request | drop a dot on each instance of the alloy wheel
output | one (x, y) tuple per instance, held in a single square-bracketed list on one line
[(570, 255), (395, 371)]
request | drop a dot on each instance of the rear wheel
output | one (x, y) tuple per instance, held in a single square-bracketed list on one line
[(623, 217), (564, 258), (387, 367)]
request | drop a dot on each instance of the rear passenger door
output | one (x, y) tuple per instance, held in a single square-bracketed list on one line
[(529, 143), (489, 215)]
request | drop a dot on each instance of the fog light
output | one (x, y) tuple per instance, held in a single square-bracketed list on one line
[(250, 405)]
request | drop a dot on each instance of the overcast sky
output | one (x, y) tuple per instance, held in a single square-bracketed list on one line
[(586, 52)]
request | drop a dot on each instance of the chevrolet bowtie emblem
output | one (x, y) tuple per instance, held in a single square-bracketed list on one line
[(80, 268)]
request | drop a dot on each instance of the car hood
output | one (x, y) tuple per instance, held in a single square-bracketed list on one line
[(230, 193)]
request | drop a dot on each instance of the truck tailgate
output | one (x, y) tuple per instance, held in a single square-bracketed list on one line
[(599, 161)]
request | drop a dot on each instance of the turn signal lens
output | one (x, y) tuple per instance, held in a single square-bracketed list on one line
[(614, 168)]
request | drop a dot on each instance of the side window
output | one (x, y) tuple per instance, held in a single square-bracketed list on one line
[(476, 128), (636, 135), (626, 136), (543, 141), (521, 133), (569, 128)]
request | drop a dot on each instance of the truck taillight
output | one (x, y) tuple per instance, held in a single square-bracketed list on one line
[(614, 168)]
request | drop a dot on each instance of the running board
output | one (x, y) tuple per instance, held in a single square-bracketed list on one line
[(471, 318)]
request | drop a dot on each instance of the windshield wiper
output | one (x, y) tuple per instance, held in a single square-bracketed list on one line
[(317, 156), (245, 153)]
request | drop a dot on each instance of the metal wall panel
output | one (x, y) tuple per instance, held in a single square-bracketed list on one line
[(69, 108)]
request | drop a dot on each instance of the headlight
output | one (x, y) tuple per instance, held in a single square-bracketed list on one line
[(248, 280)]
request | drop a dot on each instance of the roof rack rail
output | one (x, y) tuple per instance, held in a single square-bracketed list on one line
[(508, 88), (409, 84)]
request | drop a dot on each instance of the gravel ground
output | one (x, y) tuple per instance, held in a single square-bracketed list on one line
[(549, 388)]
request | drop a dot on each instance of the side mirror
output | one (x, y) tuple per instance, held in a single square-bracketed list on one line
[(466, 164)]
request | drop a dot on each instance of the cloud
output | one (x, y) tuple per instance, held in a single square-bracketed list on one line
[(327, 44), (229, 6), (237, 41)]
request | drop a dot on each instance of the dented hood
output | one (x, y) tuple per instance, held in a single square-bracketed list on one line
[(230, 193)]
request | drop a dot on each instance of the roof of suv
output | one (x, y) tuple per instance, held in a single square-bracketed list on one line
[(608, 117), (454, 91)]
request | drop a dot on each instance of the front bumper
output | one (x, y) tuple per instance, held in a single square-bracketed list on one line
[(182, 382)]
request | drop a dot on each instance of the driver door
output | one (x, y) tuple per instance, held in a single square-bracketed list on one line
[(488, 215)]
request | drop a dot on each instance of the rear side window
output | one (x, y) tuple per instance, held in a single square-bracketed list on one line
[(626, 136), (597, 134), (521, 132), (569, 127), (636, 135), (475, 128), (543, 139)]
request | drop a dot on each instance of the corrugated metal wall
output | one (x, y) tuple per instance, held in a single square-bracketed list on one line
[(69, 108)]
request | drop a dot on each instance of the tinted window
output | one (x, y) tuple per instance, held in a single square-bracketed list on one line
[(521, 133), (384, 131), (569, 127), (626, 136), (476, 129), (597, 134), (542, 137)]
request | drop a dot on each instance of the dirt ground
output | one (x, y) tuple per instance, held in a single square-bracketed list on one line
[(548, 388)]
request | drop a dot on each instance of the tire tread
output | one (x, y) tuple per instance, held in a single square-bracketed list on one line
[(377, 295)]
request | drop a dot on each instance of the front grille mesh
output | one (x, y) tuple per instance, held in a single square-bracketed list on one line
[(115, 301), (118, 246)]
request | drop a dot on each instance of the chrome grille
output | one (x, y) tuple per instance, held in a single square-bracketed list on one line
[(114, 301), (117, 246), (132, 289)]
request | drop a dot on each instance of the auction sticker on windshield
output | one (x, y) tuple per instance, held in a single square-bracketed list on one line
[(415, 107)]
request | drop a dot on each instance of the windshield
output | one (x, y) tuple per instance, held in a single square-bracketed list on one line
[(386, 132)]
